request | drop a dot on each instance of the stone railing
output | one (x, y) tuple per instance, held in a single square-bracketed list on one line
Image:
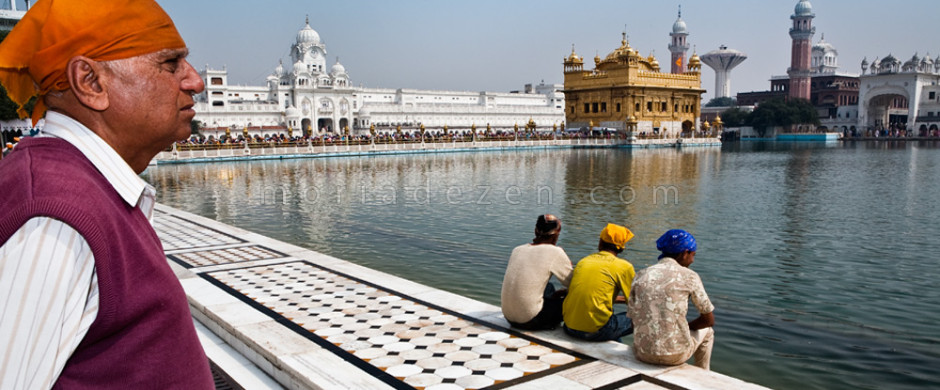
[(192, 153)]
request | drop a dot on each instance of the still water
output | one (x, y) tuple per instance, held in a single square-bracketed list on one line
[(821, 259)]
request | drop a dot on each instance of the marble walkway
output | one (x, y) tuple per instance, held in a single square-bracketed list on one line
[(274, 315)]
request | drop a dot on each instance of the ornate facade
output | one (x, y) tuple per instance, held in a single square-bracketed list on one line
[(309, 98), (900, 95), (626, 86)]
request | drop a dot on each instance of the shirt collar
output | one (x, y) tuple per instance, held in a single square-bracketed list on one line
[(115, 170)]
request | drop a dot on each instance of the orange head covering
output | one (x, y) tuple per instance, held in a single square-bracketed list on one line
[(616, 234), (34, 55)]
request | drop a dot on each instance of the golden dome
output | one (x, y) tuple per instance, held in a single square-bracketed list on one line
[(621, 52), (654, 65), (573, 58), (695, 63)]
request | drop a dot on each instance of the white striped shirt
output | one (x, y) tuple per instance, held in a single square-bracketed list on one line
[(48, 286)]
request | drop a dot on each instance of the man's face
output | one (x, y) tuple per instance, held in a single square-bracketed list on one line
[(151, 99)]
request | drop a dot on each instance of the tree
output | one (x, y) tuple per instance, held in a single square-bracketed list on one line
[(195, 126), (784, 113), (7, 107), (805, 112), (725, 101), (734, 117), (763, 117)]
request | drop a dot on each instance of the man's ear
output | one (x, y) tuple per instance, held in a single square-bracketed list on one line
[(87, 82)]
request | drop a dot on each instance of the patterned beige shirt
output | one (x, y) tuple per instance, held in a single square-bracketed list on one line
[(658, 304)]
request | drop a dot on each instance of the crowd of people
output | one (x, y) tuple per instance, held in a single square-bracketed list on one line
[(412, 136), (656, 297), (893, 130)]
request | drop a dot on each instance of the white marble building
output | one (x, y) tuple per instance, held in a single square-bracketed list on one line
[(9, 15), (906, 93), (308, 97), (824, 58)]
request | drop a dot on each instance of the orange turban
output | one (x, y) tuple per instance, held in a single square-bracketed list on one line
[(34, 55), (616, 234)]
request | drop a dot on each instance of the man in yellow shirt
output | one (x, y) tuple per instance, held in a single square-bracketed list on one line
[(597, 282)]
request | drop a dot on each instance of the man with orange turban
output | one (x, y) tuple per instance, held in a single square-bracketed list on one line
[(91, 301), (597, 282)]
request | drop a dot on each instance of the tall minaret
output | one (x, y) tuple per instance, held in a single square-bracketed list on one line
[(679, 45), (801, 52)]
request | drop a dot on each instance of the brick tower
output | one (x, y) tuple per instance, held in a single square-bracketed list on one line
[(801, 52)]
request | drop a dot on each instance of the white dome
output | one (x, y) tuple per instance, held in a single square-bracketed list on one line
[(824, 46), (279, 70), (299, 67), (338, 69), (803, 8), (364, 113), (308, 36), (679, 27), (292, 112)]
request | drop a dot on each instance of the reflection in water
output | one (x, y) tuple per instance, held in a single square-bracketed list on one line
[(814, 254)]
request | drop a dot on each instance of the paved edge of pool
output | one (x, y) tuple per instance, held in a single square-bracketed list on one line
[(256, 350)]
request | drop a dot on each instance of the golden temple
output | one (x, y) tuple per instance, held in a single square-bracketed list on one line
[(627, 87)]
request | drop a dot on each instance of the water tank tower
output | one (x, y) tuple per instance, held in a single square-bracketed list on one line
[(722, 61)]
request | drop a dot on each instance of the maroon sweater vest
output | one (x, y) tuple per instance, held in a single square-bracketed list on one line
[(143, 336)]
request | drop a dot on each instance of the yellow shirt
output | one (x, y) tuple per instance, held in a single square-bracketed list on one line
[(596, 280)]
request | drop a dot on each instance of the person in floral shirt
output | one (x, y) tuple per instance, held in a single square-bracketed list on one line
[(659, 301)]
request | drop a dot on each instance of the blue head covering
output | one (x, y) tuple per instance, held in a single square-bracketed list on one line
[(676, 241)]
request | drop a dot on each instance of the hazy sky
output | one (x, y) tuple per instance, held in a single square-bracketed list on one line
[(500, 45)]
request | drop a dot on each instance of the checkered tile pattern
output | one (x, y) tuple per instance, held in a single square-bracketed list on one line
[(177, 233), (225, 256), (422, 346)]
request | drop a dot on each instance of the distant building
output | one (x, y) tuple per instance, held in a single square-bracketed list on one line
[(627, 86), (10, 16), (309, 98), (900, 96), (813, 75)]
